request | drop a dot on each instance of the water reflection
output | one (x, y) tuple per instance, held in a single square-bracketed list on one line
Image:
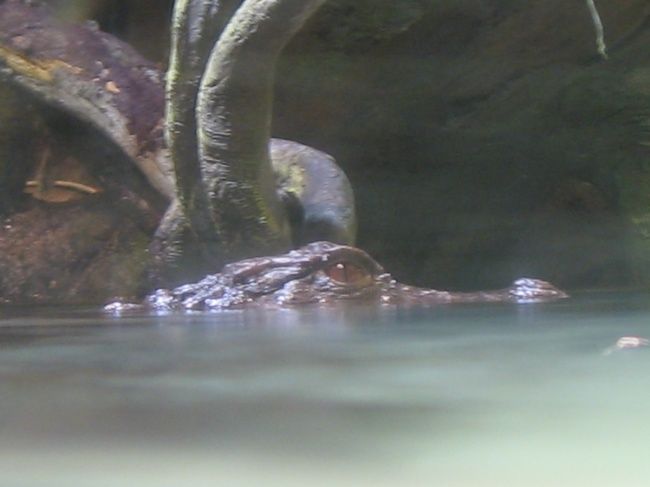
[(463, 395)]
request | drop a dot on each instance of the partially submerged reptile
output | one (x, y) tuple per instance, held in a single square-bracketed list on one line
[(321, 273), (107, 190)]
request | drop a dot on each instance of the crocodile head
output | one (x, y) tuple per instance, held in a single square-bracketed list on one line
[(322, 273)]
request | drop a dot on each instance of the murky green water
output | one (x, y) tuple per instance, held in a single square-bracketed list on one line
[(483, 395)]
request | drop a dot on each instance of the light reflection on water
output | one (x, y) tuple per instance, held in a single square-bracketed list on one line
[(485, 395)]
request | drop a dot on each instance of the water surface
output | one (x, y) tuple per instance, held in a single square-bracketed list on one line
[(476, 395)]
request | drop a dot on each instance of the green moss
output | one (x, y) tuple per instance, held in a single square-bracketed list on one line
[(120, 267), (128, 266)]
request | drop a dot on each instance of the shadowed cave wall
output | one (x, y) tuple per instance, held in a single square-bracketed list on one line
[(485, 139)]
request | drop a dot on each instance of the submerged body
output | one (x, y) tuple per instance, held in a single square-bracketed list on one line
[(322, 273)]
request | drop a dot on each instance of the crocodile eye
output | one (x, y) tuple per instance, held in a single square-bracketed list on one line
[(347, 273)]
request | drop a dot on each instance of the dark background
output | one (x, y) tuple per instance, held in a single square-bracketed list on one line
[(485, 139)]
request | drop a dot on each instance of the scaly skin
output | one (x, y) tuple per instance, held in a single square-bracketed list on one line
[(321, 273)]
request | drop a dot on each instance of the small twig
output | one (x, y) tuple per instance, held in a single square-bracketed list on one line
[(81, 188), (598, 25)]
